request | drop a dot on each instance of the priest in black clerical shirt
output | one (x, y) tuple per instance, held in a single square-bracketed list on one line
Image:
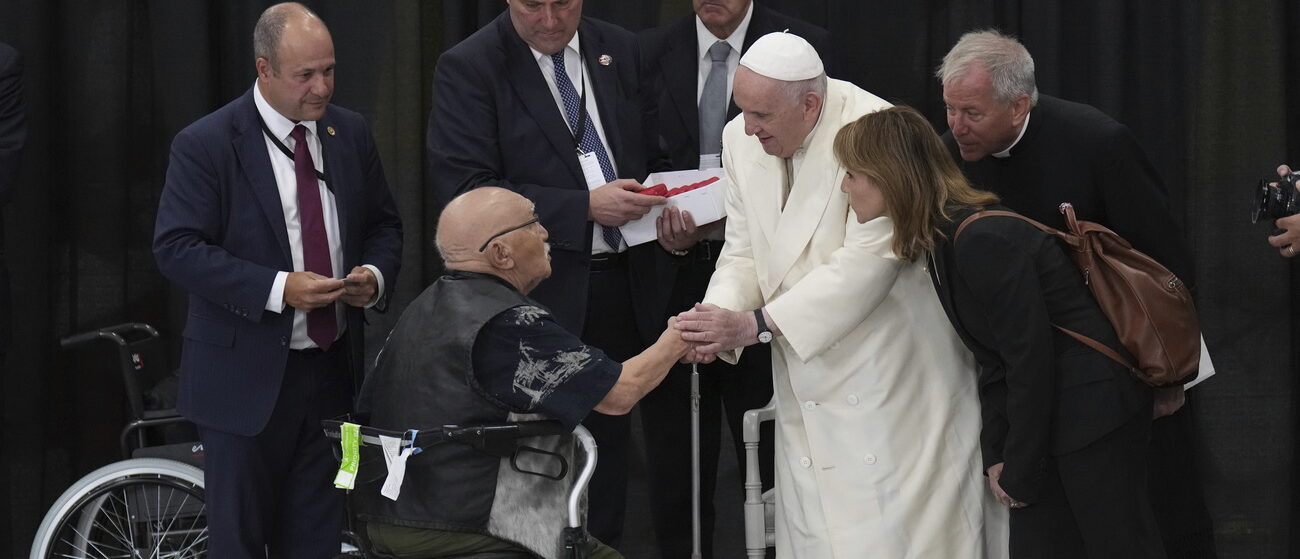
[(1035, 152)]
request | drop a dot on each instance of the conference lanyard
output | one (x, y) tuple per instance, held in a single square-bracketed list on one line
[(287, 152)]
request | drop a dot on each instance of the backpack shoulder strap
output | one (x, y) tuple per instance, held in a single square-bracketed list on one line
[(1099, 347), (989, 213)]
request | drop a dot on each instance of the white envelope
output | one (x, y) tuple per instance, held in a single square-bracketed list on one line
[(707, 204), (1207, 367)]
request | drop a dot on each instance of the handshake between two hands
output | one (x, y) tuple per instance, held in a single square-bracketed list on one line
[(708, 330)]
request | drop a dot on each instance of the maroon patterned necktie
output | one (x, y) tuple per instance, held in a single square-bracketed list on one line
[(321, 325)]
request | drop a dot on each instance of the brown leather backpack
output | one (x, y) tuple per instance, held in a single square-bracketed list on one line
[(1149, 307)]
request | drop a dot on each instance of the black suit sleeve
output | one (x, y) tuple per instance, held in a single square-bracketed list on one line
[(13, 124), (465, 150), (1136, 204), (647, 97), (1003, 278)]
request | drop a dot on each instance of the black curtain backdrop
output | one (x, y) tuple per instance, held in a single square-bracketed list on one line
[(1211, 88)]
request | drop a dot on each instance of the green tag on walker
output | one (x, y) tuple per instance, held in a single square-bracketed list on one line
[(350, 440)]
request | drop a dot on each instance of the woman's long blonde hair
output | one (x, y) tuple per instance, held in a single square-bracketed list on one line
[(901, 153)]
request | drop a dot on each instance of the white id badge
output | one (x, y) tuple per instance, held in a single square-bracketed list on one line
[(591, 170), (710, 161)]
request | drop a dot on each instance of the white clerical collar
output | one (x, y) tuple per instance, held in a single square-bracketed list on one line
[(279, 126), (706, 38), (573, 44), (1007, 152)]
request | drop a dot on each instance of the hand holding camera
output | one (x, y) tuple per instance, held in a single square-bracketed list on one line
[(1279, 200)]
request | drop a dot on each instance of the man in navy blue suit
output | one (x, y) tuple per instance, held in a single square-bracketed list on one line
[(548, 103), (277, 219)]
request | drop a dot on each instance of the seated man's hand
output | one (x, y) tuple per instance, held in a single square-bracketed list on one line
[(716, 329), (693, 357), (308, 291), (671, 340), (616, 203), (360, 287)]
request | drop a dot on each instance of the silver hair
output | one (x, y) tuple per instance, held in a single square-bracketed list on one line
[(270, 27), (438, 245), (797, 89), (1008, 63)]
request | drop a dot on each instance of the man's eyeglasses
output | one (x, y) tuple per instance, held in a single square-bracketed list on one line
[(535, 219)]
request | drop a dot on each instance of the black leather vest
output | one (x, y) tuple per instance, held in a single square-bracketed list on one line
[(424, 379)]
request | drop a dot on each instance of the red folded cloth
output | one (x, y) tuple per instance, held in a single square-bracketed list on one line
[(662, 190), (656, 190)]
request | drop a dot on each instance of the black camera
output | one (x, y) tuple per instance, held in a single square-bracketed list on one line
[(1276, 198)]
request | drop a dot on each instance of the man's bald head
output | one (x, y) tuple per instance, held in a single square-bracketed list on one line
[(487, 230), (270, 27)]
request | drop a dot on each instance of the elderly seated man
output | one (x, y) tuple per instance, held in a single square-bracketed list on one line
[(474, 349)]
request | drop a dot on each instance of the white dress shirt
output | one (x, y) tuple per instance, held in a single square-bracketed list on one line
[(580, 79), (286, 180), (706, 40)]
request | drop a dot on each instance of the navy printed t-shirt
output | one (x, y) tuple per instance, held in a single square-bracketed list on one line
[(524, 358)]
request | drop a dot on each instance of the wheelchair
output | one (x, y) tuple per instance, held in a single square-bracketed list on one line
[(499, 440), (151, 503)]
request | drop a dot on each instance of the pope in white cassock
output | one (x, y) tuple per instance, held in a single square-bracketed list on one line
[(877, 438)]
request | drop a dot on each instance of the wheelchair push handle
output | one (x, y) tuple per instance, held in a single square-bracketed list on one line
[(121, 334)]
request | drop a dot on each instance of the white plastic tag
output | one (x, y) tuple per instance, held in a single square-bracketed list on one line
[(395, 456), (591, 170), (710, 161)]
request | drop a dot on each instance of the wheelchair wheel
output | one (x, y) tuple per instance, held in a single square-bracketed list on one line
[(144, 507)]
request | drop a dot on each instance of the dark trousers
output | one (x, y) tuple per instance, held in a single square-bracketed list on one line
[(1094, 503), (726, 393), (1176, 493), (611, 327), (272, 494)]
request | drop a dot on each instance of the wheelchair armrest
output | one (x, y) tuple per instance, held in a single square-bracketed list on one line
[(757, 536), (754, 418)]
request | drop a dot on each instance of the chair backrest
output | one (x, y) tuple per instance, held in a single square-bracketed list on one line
[(127, 337)]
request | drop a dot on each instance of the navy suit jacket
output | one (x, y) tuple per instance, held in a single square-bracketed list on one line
[(671, 62), (495, 123), (221, 235)]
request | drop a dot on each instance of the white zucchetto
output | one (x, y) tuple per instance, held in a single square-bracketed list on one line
[(783, 56)]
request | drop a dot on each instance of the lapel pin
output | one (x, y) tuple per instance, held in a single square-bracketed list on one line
[(329, 130), (605, 60)]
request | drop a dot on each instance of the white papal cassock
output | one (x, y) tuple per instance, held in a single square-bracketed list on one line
[(877, 439)]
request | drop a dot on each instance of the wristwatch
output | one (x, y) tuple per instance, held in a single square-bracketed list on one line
[(764, 335)]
